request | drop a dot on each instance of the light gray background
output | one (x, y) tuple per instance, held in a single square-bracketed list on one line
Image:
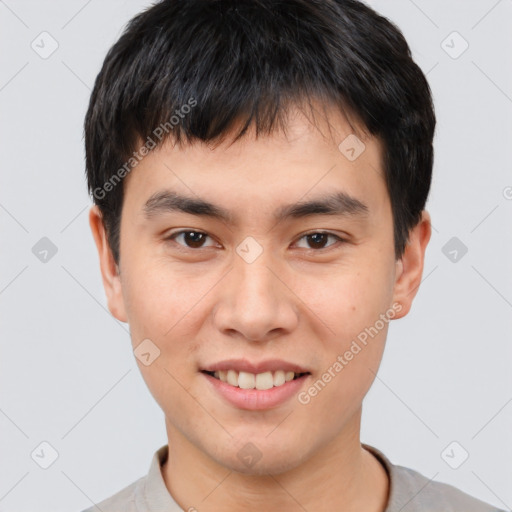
[(67, 372)]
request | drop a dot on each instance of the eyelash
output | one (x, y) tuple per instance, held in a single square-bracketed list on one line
[(173, 236)]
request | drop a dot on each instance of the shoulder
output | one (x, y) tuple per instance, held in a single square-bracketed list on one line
[(124, 500), (410, 491), (147, 493), (415, 492)]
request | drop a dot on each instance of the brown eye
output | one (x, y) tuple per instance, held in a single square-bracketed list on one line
[(191, 239), (318, 240)]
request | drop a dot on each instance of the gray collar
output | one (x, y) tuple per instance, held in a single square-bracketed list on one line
[(409, 491)]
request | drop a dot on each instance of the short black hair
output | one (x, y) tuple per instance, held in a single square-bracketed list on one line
[(194, 69)]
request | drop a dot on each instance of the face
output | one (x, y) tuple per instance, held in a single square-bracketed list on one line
[(259, 284)]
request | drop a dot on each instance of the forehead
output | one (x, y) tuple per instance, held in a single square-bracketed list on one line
[(257, 173)]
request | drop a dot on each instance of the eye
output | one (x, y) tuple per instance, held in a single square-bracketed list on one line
[(319, 238), (196, 239), (192, 239)]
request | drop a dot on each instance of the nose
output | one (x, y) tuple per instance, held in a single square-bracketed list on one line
[(255, 302)]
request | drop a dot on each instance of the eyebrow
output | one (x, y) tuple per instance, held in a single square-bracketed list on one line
[(337, 203)]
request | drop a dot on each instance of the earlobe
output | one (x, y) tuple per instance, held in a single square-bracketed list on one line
[(409, 268), (109, 269)]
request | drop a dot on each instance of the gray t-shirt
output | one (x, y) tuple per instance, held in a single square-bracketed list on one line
[(409, 491)]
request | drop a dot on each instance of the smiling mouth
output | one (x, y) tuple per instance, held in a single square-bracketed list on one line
[(260, 381)]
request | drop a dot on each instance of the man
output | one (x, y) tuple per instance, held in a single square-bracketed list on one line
[(260, 171)]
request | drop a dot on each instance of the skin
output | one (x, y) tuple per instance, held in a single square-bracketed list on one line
[(297, 301)]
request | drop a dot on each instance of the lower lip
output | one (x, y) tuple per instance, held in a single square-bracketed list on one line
[(256, 399)]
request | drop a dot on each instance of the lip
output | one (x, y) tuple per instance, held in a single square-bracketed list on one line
[(256, 399), (244, 365)]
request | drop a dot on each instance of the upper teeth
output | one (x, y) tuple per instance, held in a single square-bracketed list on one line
[(260, 381)]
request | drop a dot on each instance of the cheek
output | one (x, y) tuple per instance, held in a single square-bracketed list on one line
[(158, 301), (358, 309), (351, 303), (348, 297), (160, 307)]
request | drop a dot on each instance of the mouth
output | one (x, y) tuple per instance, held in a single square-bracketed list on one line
[(260, 381)]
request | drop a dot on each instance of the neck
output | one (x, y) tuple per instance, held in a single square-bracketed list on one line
[(340, 476)]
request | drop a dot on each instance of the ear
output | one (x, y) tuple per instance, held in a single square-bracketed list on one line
[(109, 269), (409, 267)]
